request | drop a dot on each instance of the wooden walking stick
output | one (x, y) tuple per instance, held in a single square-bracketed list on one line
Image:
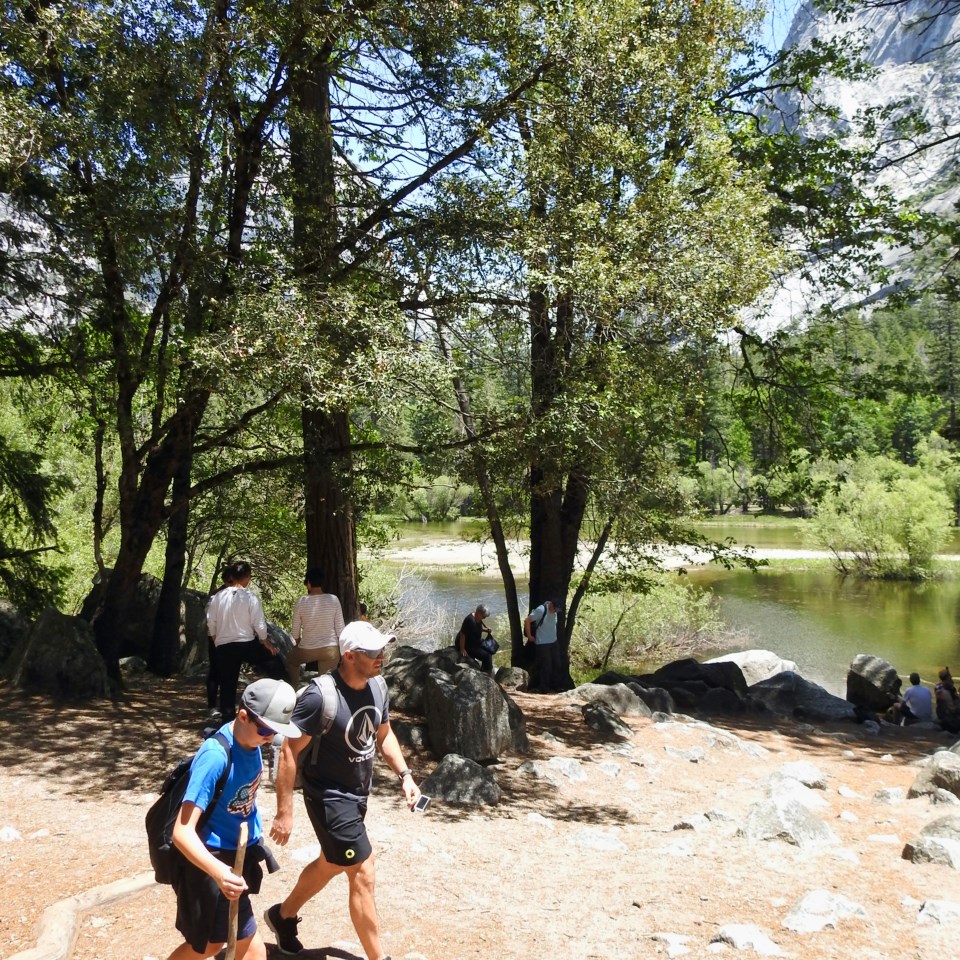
[(235, 904)]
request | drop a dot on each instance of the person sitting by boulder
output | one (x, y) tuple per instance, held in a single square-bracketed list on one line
[(914, 705), (470, 638), (948, 702)]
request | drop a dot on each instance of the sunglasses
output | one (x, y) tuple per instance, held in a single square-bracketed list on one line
[(262, 731), (371, 654)]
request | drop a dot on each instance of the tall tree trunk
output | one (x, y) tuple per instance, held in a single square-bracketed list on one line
[(331, 531), (165, 642), (330, 525)]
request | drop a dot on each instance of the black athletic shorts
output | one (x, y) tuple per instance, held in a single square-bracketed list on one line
[(338, 824)]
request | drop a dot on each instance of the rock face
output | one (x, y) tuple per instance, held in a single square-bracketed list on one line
[(406, 674), (779, 818), (792, 695), (468, 714), (872, 683), (917, 66), (618, 697), (603, 719), (59, 656)]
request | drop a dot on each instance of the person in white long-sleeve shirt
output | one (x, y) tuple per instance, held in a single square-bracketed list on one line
[(236, 622), (316, 627)]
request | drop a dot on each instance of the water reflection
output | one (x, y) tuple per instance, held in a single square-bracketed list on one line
[(814, 617)]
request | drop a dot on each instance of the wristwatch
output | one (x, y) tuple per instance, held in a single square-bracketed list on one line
[(403, 774)]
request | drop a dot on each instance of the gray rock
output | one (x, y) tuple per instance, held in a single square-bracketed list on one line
[(757, 665), (693, 755), (59, 656), (656, 698), (939, 911), (819, 909), (945, 797), (939, 842), (513, 678), (724, 674), (805, 772), (872, 683), (785, 819), (784, 789), (406, 675), (132, 666), (568, 767), (941, 772), (14, 629), (412, 736), (889, 794), (618, 697), (461, 782), (790, 694), (743, 936), (535, 770), (720, 702), (600, 717), (468, 714)]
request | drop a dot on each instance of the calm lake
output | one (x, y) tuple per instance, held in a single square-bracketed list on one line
[(814, 617)]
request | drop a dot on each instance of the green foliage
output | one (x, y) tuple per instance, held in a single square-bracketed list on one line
[(883, 519), (441, 499), (664, 621)]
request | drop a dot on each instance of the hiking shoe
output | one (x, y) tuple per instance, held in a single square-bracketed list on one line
[(286, 930)]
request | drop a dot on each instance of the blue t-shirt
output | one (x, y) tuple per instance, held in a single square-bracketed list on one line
[(238, 800), (547, 631)]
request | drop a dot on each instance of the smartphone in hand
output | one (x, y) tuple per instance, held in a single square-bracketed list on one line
[(421, 804)]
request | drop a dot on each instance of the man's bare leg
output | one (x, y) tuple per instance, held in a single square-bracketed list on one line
[(363, 907), (313, 878)]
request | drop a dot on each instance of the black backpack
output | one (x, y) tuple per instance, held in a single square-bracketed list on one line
[(534, 627), (162, 816)]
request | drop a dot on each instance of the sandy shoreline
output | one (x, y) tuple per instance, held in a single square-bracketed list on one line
[(481, 558)]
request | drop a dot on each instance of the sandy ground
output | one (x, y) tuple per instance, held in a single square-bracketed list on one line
[(566, 870)]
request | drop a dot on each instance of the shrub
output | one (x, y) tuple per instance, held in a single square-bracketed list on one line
[(883, 519)]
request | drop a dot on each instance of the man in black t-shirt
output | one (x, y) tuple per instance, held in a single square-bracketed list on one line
[(337, 777), (470, 636)]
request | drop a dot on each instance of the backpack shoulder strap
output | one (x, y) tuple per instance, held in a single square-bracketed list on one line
[(543, 617), (221, 781), (328, 691), (380, 687)]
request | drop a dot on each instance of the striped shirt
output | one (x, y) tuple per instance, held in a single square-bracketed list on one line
[(317, 621)]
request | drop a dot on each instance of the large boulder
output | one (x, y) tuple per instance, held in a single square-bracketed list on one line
[(59, 656), (461, 782), (872, 683), (618, 697), (790, 694), (468, 714), (14, 628), (600, 717), (406, 674), (135, 632), (756, 665), (688, 671), (656, 698), (782, 818)]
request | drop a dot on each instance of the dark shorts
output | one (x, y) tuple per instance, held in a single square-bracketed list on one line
[(246, 924), (338, 824)]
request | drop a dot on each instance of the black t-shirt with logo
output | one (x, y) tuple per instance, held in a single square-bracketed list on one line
[(344, 755)]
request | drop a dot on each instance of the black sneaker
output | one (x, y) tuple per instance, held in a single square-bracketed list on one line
[(286, 930)]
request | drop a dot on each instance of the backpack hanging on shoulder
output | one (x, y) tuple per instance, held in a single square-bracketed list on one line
[(328, 689), (162, 815), (535, 626)]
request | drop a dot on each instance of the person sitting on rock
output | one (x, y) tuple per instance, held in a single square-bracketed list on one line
[(914, 705), (948, 702), (470, 638)]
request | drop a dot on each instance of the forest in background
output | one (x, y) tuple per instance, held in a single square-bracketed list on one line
[(272, 272)]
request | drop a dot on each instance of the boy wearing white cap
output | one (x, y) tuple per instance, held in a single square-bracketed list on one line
[(205, 882), (336, 784)]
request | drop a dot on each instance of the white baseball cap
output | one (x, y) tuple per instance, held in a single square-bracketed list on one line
[(363, 635)]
